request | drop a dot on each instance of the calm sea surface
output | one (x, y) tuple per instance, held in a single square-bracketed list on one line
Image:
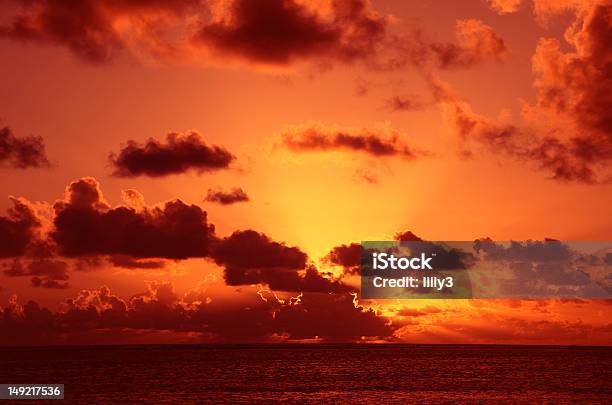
[(317, 373)]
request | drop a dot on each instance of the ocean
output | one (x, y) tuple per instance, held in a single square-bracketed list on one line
[(334, 373)]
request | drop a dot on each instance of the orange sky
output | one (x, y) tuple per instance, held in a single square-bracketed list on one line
[(237, 99)]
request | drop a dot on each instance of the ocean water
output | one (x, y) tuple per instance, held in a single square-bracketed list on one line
[(317, 373)]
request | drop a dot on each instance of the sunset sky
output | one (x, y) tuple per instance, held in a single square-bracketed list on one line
[(180, 171)]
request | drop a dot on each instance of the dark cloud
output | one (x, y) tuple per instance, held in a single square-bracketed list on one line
[(85, 225), (21, 153), (227, 197), (250, 257), (348, 256), (268, 31), (180, 153), (330, 317), (280, 31), (312, 138), (19, 229), (90, 29), (45, 272)]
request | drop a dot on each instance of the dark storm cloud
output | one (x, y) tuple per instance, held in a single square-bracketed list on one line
[(279, 31), (233, 196), (180, 153), (312, 138), (250, 257), (21, 153), (85, 225)]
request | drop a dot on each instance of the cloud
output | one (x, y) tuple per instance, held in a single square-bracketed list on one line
[(84, 224), (22, 153), (227, 197), (476, 42), (250, 257), (346, 255), (538, 251), (574, 90), (272, 31), (504, 6), (445, 257), (96, 31), (19, 229), (85, 229), (181, 152), (328, 317), (316, 137), (281, 31), (45, 272), (567, 131), (566, 160)]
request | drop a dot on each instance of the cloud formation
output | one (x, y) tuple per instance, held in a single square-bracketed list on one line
[(96, 31), (280, 31), (45, 272), (19, 229), (476, 42), (327, 317), (567, 132), (84, 224), (233, 196), (346, 255), (249, 257), (271, 31), (318, 138), (181, 152), (21, 153)]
